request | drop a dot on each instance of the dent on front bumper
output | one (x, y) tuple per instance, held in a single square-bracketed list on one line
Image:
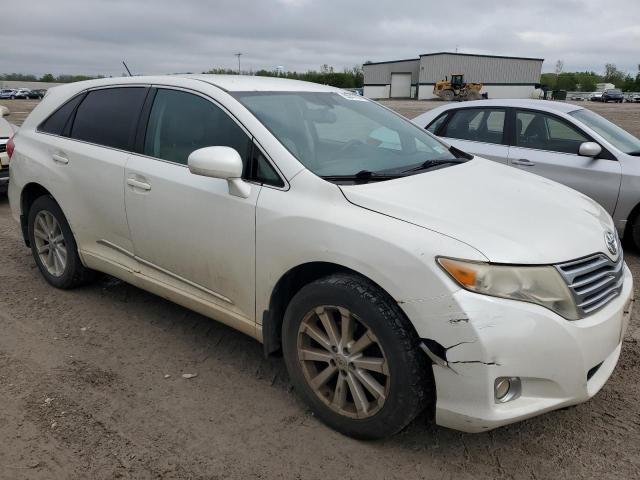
[(506, 338)]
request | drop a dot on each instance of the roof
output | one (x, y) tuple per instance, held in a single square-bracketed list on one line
[(480, 55), (392, 61), (230, 83), (250, 83), (543, 105)]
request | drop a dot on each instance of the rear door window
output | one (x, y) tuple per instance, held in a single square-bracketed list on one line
[(109, 116), (477, 125)]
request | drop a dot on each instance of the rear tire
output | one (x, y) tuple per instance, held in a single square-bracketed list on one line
[(53, 247), (354, 357)]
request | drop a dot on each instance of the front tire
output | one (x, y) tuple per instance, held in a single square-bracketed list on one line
[(354, 358), (53, 247)]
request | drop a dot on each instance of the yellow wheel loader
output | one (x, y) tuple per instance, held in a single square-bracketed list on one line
[(456, 89)]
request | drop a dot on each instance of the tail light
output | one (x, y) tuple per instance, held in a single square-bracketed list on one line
[(10, 147)]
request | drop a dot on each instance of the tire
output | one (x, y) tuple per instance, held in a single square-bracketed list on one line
[(13, 98), (447, 95), (65, 274), (402, 372)]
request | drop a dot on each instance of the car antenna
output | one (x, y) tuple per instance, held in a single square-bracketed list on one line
[(128, 71)]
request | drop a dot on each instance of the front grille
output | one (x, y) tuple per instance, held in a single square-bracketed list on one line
[(594, 281), (3, 144)]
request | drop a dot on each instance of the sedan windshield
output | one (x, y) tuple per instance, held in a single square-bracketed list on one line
[(337, 134), (619, 138)]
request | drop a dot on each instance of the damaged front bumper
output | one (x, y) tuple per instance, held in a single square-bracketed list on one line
[(558, 362)]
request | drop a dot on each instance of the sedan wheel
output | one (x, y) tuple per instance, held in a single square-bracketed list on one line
[(50, 244), (343, 361)]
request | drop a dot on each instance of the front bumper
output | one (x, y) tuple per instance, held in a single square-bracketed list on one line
[(552, 356)]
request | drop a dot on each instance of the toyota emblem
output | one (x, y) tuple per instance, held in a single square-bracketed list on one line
[(611, 241)]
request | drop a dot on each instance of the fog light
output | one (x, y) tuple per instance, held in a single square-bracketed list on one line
[(507, 389)]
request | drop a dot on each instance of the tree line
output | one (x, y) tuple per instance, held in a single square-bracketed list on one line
[(586, 81), (348, 78), (47, 77)]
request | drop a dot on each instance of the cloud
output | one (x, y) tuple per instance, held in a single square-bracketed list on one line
[(163, 36)]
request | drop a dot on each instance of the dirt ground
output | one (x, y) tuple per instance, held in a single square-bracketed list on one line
[(91, 387)]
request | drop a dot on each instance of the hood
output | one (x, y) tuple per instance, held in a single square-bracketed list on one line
[(508, 215)]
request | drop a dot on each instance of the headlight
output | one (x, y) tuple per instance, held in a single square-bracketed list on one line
[(541, 285)]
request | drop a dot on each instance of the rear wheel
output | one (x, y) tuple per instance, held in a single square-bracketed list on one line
[(53, 246), (354, 358)]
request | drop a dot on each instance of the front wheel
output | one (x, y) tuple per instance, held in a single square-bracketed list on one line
[(53, 246), (354, 358)]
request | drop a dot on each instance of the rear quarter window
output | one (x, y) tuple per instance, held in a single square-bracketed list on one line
[(57, 121)]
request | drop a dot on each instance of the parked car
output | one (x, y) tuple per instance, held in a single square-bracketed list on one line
[(38, 93), (384, 272), (566, 143), (6, 132), (22, 93), (7, 93), (595, 97), (577, 98), (612, 95)]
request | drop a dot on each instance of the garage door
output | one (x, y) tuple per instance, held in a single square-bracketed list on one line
[(400, 85)]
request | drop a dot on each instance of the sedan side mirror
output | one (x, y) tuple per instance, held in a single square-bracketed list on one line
[(589, 149), (220, 162)]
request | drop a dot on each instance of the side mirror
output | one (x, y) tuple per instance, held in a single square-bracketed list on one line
[(589, 149), (4, 111), (220, 162)]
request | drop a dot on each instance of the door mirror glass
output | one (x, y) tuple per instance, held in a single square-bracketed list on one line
[(590, 149), (220, 162), (4, 111)]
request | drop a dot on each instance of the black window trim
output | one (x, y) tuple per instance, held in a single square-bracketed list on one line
[(143, 124), (452, 111), (252, 166), (604, 154)]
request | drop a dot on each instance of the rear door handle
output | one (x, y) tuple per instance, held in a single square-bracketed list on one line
[(132, 182), (60, 158), (523, 161)]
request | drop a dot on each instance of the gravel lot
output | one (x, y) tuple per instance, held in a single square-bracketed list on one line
[(85, 394)]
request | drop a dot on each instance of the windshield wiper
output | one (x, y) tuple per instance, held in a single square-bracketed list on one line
[(363, 176), (433, 163)]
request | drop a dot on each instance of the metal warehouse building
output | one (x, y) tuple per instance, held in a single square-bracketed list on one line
[(502, 77)]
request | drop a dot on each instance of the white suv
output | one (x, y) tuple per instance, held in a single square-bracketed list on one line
[(392, 275)]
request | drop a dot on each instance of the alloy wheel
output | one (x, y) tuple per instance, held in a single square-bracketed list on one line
[(343, 361), (50, 244)]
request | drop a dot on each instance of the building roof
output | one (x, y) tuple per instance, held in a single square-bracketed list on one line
[(392, 61), (480, 55)]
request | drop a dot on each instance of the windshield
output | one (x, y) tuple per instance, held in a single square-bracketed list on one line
[(340, 134), (619, 138)]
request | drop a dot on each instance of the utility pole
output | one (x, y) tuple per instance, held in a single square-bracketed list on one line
[(239, 54)]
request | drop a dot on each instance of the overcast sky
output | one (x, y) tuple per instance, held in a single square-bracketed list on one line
[(165, 36)]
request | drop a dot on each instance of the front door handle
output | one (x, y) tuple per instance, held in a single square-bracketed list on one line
[(132, 182), (60, 158), (523, 161)]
